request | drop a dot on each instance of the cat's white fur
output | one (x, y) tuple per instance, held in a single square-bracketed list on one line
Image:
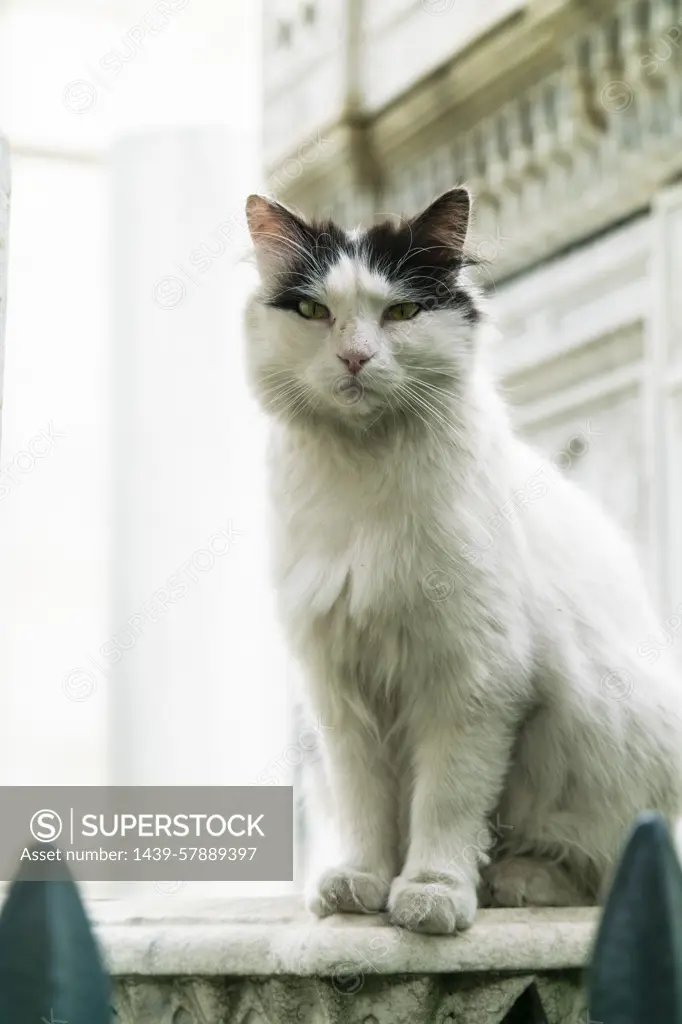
[(467, 619)]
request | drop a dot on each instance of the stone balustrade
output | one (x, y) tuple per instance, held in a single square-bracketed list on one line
[(586, 147), (582, 148), (266, 961), (563, 123)]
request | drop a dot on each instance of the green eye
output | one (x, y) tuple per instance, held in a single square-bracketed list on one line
[(312, 310), (401, 311)]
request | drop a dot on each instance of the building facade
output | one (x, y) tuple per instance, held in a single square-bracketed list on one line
[(565, 120)]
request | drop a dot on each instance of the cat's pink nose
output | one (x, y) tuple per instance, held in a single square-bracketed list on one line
[(354, 363)]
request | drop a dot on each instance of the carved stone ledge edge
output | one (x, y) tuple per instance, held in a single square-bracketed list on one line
[(462, 999), (277, 936)]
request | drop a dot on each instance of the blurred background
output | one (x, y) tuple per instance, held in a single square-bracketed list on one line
[(138, 640)]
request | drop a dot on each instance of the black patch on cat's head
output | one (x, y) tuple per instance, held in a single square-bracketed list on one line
[(318, 247), (425, 268), (423, 256)]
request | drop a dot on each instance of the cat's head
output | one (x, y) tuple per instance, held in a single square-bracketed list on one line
[(356, 327)]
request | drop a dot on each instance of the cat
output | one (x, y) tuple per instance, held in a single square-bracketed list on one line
[(490, 730)]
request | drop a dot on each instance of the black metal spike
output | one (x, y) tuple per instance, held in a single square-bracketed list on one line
[(636, 974), (50, 966)]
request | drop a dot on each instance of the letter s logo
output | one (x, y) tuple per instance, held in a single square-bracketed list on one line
[(46, 826)]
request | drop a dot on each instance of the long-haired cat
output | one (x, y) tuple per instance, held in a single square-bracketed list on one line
[(490, 730)]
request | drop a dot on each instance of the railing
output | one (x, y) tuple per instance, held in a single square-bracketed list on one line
[(636, 974), (50, 967)]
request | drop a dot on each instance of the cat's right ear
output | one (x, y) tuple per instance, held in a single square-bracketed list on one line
[(277, 234), (445, 222)]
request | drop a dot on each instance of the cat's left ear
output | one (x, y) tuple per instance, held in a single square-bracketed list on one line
[(446, 220), (277, 234)]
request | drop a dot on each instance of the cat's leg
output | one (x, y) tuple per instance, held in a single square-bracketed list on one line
[(532, 882), (460, 764), (364, 795)]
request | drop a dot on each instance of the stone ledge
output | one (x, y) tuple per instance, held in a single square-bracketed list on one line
[(277, 936)]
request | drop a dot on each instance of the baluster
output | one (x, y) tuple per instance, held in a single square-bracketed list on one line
[(472, 164), (628, 113), (662, 66), (515, 155), (568, 103), (489, 144), (456, 162), (539, 103), (392, 196), (665, 36), (441, 174), (574, 129)]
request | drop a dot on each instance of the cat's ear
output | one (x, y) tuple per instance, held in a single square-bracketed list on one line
[(445, 221), (276, 233)]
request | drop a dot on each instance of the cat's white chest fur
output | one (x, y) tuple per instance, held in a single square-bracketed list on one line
[(349, 530)]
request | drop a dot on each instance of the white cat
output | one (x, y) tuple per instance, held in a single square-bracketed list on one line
[(488, 722)]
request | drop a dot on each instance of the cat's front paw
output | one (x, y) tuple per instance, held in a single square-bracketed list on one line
[(347, 891), (437, 908)]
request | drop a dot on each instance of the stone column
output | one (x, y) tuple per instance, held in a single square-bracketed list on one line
[(196, 669), (665, 390), (4, 240)]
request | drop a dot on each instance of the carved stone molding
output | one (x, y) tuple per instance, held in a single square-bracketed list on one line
[(443, 999), (581, 149), (267, 961)]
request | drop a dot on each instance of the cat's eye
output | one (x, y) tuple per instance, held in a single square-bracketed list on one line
[(401, 311), (312, 310)]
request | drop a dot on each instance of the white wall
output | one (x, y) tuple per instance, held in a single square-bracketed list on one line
[(405, 40), (86, 536), (315, 49), (54, 512), (590, 359)]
